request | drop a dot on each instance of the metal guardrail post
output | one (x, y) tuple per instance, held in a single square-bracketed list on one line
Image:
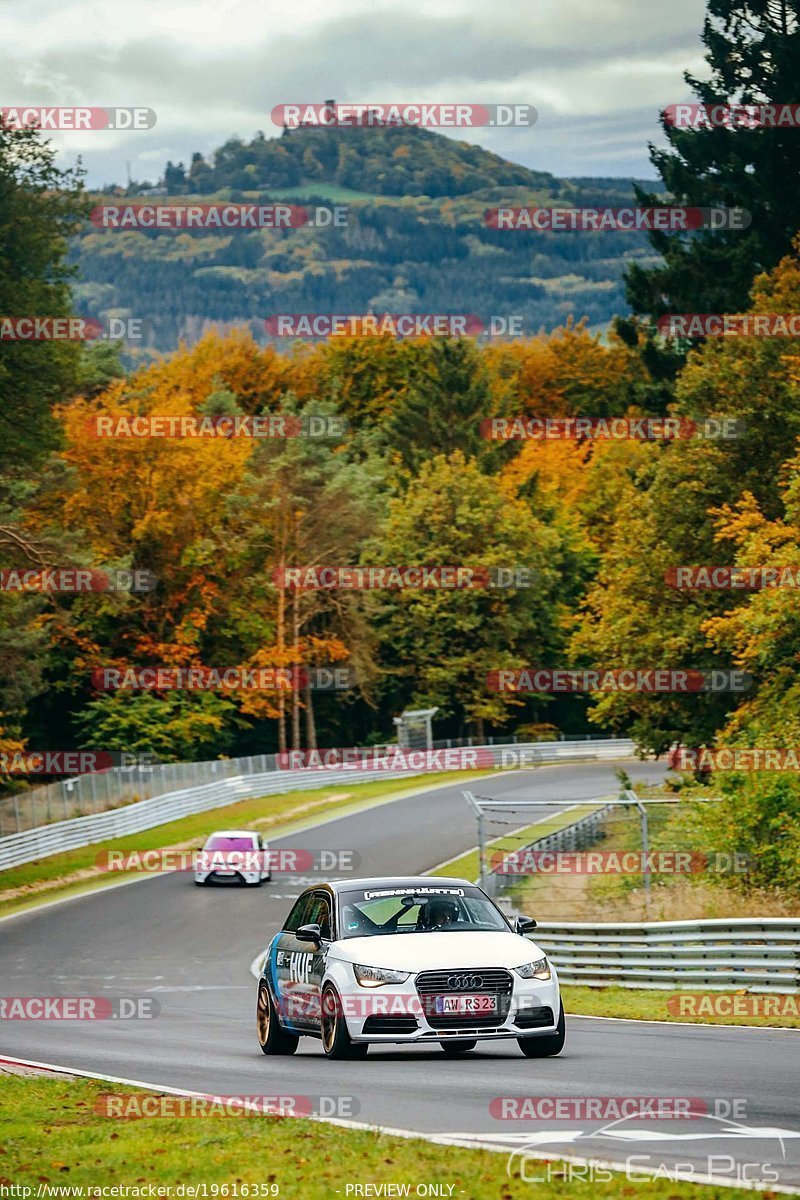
[(469, 797), (634, 799)]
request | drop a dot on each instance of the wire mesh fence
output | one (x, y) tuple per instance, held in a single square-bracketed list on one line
[(98, 791), (539, 863), (589, 860)]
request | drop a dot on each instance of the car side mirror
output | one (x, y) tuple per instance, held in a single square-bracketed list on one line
[(309, 933), (524, 924)]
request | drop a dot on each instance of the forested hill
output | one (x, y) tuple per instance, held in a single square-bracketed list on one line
[(416, 239), (384, 162)]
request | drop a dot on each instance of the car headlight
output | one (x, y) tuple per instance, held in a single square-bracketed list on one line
[(375, 976), (534, 970)]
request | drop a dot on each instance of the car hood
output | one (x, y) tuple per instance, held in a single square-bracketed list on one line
[(427, 951)]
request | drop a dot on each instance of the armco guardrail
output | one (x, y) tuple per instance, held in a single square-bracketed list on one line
[(148, 814), (761, 954), (58, 836)]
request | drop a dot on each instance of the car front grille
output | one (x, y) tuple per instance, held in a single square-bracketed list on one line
[(471, 981)]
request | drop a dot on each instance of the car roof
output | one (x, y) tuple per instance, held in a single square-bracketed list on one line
[(337, 886), (234, 833)]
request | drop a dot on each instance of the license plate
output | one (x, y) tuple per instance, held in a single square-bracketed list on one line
[(482, 1005)]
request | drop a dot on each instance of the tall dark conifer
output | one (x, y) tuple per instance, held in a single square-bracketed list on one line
[(753, 53)]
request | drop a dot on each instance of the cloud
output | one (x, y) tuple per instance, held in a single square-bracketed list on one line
[(597, 74)]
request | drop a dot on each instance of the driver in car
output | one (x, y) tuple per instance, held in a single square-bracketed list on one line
[(441, 913)]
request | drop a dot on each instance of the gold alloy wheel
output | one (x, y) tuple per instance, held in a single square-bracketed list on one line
[(328, 1020), (262, 1015)]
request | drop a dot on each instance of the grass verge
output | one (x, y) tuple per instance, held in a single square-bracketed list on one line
[(76, 870), (52, 1135), (644, 1004), (707, 891)]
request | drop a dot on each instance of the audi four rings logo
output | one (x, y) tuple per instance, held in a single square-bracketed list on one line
[(458, 983)]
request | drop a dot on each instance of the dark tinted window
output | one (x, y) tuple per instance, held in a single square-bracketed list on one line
[(320, 914), (297, 916), (247, 842), (418, 908)]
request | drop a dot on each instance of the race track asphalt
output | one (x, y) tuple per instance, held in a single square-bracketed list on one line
[(190, 948)]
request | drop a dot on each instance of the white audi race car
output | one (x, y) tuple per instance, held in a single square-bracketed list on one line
[(233, 856), (415, 960)]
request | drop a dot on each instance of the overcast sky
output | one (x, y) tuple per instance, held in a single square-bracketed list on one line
[(597, 73)]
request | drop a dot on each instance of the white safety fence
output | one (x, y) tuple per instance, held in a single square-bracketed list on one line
[(760, 954), (161, 810), (97, 791), (54, 838)]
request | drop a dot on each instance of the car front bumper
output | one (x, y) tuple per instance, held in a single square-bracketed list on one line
[(224, 877), (396, 1013)]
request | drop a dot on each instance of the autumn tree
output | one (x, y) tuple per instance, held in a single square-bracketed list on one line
[(303, 503), (439, 644), (670, 518)]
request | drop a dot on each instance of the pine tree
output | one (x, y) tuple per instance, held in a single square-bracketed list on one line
[(41, 206), (442, 407), (753, 52)]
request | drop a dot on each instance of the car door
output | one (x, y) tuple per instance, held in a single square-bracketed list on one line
[(320, 913), (289, 965)]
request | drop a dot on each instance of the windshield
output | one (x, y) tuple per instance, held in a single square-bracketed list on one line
[(216, 842), (370, 913)]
